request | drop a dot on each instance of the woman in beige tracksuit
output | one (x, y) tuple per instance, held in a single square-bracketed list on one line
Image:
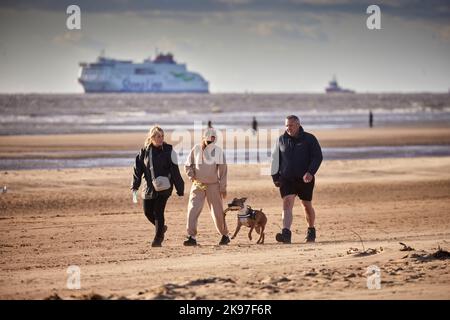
[(207, 169)]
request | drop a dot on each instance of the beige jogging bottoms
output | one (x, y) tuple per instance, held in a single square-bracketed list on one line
[(196, 202)]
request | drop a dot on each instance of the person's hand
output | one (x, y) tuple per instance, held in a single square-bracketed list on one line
[(277, 184), (307, 178), (223, 194), (192, 179)]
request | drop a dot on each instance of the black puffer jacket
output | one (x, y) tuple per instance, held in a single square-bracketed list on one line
[(294, 156), (164, 164)]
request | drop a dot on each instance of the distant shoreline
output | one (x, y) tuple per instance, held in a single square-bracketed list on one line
[(348, 137), (119, 113), (118, 149)]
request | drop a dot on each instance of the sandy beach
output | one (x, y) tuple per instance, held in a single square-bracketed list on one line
[(363, 90), (22, 145), (51, 219)]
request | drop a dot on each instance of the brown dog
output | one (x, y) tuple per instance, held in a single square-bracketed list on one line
[(254, 219)]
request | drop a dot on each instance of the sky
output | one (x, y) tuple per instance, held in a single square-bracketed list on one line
[(237, 45)]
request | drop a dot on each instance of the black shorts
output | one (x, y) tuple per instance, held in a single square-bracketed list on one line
[(303, 190)]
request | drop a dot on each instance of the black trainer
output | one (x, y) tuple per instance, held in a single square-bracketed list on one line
[(224, 241), (157, 243), (190, 242), (311, 235), (284, 236)]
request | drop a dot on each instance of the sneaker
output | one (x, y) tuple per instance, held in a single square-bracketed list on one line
[(156, 243), (311, 235), (190, 242), (284, 236), (162, 236), (224, 241)]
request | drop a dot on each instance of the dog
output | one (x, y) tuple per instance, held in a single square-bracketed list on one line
[(254, 219)]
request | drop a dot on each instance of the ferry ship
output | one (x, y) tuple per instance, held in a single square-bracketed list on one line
[(162, 74)]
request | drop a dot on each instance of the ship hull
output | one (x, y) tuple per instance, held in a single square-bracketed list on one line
[(338, 91), (95, 88), (144, 87)]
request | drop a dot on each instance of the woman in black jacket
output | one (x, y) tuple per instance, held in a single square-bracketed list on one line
[(165, 164)]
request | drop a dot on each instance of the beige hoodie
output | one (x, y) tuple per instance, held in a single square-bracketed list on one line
[(207, 166)]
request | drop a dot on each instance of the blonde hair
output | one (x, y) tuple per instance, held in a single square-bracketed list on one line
[(152, 133)]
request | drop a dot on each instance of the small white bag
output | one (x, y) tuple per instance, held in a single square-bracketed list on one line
[(160, 183)]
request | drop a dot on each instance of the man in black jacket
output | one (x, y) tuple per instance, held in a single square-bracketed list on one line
[(296, 158)]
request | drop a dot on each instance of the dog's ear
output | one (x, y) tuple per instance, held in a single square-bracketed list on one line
[(235, 199), (243, 199)]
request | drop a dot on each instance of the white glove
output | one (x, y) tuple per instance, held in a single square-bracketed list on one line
[(135, 196)]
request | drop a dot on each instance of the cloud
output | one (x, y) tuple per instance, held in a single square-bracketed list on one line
[(322, 2), (444, 33), (431, 10), (68, 37), (234, 2), (78, 39), (288, 29)]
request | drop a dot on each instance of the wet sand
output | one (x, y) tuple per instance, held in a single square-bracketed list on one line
[(50, 145)]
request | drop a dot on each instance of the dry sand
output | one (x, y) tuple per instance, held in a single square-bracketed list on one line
[(51, 219)]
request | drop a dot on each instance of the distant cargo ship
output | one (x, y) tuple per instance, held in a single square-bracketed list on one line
[(333, 86), (162, 74)]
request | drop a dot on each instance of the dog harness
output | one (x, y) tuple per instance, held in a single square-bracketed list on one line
[(245, 214)]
